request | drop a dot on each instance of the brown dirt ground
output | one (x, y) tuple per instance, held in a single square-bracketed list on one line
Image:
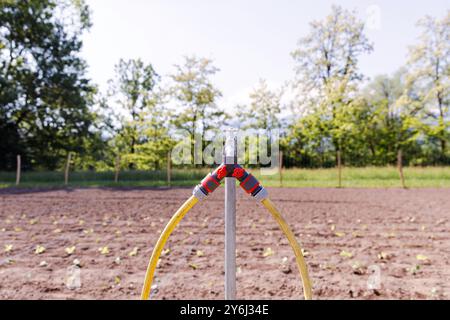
[(384, 230)]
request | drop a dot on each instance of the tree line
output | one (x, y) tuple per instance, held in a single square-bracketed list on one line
[(49, 107)]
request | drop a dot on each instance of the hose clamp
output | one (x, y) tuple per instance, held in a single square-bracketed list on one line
[(261, 195), (199, 193)]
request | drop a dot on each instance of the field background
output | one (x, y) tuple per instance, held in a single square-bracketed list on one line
[(346, 234), (370, 177)]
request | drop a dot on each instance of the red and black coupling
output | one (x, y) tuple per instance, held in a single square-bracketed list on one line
[(248, 182), (213, 180), (210, 183)]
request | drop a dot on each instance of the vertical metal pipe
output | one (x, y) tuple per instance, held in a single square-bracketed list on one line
[(230, 157), (230, 239)]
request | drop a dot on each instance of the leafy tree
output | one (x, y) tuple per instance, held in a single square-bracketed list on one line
[(428, 80), (384, 122), (142, 121), (197, 110), (327, 72), (157, 141), (264, 109), (44, 93), (261, 115), (133, 90), (306, 145)]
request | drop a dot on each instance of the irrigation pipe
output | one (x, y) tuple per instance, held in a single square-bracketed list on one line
[(251, 186), (177, 217), (303, 269)]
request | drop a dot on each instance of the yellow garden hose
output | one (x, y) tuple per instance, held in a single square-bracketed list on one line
[(252, 186), (177, 217), (307, 290)]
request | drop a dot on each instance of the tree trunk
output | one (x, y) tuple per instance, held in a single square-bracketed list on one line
[(441, 122), (339, 164), (440, 100), (400, 168), (132, 151), (169, 169), (19, 166), (66, 173), (117, 167)]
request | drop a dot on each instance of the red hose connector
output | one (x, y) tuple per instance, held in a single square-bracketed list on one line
[(238, 173), (221, 172), (212, 181)]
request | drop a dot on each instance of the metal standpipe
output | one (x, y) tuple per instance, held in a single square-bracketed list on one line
[(231, 171), (230, 157)]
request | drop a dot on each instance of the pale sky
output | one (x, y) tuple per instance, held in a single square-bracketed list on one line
[(247, 39)]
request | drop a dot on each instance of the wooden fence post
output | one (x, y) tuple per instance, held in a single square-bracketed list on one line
[(280, 166), (117, 169), (400, 168), (169, 169), (66, 173), (339, 163), (19, 166)]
